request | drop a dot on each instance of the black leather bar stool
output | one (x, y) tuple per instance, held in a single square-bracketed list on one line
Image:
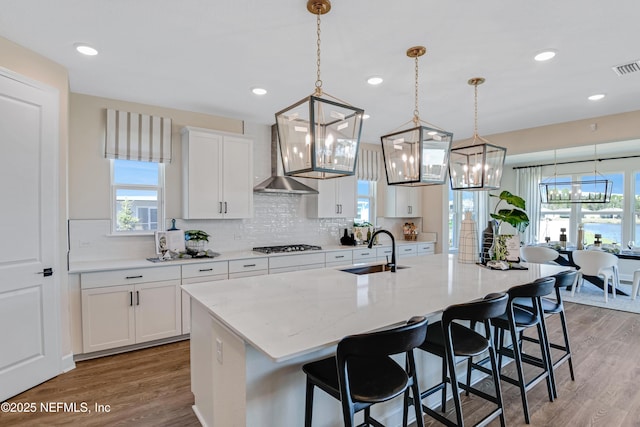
[(362, 373), (516, 320), (454, 342), (564, 280)]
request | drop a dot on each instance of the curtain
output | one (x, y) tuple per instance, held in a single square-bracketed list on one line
[(368, 167), (133, 136), (527, 182)]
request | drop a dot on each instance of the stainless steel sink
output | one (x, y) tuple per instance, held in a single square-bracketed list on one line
[(368, 269)]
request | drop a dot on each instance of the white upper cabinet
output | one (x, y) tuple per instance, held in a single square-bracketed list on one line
[(336, 198), (403, 202), (217, 175)]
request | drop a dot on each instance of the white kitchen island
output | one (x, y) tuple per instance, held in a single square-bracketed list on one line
[(250, 336)]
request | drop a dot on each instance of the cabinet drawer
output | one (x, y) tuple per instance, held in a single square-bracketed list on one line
[(246, 265), (407, 250), (295, 260), (384, 252), (363, 254), (205, 269), (129, 276), (336, 257), (426, 248)]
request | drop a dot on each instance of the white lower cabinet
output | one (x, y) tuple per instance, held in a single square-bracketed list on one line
[(198, 273), (248, 267), (406, 250), (283, 264), (116, 314), (426, 248), (364, 255), (338, 258)]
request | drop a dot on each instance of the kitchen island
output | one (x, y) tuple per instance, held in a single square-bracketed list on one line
[(250, 336)]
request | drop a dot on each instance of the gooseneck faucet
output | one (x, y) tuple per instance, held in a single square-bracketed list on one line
[(392, 264)]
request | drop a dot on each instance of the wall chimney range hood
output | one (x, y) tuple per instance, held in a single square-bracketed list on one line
[(278, 183)]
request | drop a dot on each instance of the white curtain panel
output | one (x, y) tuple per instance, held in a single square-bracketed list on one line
[(133, 136), (368, 167), (528, 180)]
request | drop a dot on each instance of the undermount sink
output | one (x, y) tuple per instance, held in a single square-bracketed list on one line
[(368, 269)]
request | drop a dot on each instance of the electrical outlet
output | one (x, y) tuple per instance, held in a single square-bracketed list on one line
[(219, 350)]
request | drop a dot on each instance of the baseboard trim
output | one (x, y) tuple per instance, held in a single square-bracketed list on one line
[(67, 363), (118, 350)]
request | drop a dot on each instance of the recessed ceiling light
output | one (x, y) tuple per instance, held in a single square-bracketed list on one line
[(545, 55), (375, 80), (365, 116), (259, 91), (596, 97), (85, 49)]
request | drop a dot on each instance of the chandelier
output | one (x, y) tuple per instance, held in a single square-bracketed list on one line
[(479, 166), (319, 137), (419, 155)]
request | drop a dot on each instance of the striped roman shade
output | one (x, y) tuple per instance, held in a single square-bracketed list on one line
[(133, 136), (368, 167)]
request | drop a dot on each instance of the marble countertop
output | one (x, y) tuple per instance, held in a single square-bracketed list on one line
[(292, 314), (118, 264)]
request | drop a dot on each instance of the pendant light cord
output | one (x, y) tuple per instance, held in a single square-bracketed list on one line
[(318, 80), (416, 113)]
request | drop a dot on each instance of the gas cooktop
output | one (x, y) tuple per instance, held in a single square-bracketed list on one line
[(286, 248)]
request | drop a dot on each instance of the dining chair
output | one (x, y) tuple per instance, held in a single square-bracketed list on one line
[(596, 263), (636, 284), (362, 373), (538, 254)]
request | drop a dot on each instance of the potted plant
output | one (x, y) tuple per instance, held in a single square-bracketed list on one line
[(514, 216), (194, 240)]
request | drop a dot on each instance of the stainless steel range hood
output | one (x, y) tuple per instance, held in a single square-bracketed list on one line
[(277, 183)]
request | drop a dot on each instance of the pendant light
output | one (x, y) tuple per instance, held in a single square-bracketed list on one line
[(319, 137), (419, 155), (592, 190), (479, 166)]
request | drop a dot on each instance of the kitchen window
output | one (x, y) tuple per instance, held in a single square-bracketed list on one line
[(366, 201), (636, 210), (137, 194), (475, 202)]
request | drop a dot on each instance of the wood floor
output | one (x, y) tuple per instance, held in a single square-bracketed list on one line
[(151, 387)]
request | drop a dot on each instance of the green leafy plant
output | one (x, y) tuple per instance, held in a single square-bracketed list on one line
[(515, 216), (196, 235)]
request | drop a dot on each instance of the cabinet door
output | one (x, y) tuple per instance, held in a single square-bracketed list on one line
[(327, 205), (336, 198), (237, 177), (403, 202), (158, 310), (202, 175), (108, 318), (346, 192)]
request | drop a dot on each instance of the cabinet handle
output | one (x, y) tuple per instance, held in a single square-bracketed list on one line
[(134, 277), (137, 297), (206, 269), (220, 209), (131, 298), (364, 253), (339, 208), (225, 207), (249, 265), (408, 250), (340, 256)]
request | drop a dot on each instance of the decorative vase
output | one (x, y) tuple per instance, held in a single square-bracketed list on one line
[(488, 242), (468, 244)]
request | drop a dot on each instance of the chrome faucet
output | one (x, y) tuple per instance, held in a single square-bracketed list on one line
[(392, 264)]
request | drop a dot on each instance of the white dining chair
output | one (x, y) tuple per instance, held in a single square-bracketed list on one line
[(596, 263), (636, 284), (538, 254)]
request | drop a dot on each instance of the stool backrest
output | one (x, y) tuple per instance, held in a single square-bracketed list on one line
[(566, 278), (538, 254), (493, 305), (537, 288), (591, 262), (397, 340)]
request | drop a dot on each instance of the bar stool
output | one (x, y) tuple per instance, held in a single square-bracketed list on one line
[(362, 373), (516, 320), (454, 342), (564, 279)]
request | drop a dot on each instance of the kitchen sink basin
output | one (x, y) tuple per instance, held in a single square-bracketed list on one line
[(368, 269)]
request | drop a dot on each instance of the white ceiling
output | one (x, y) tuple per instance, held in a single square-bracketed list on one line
[(205, 55)]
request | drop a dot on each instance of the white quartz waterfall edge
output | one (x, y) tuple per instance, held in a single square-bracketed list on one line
[(591, 295)]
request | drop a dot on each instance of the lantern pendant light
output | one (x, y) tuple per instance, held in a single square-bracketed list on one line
[(319, 137), (476, 167), (417, 156)]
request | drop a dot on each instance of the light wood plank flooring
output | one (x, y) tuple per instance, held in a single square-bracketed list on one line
[(151, 387)]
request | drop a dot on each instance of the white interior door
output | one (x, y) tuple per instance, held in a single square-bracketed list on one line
[(29, 297)]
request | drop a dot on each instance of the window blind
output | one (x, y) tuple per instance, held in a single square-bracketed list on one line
[(133, 136), (368, 167)]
